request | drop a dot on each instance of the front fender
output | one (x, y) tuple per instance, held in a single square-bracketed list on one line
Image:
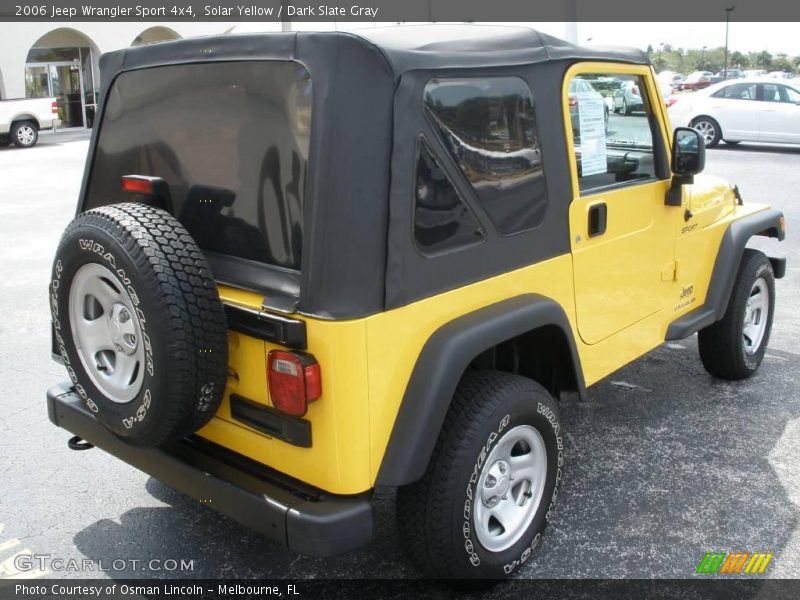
[(766, 223)]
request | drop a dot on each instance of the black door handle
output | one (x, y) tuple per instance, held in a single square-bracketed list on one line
[(598, 219)]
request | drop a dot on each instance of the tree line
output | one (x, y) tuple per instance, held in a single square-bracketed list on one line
[(712, 59)]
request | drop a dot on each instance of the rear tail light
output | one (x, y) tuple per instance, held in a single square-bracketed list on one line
[(573, 101), (294, 381), (671, 100), (54, 107), (153, 190), (635, 90), (137, 185)]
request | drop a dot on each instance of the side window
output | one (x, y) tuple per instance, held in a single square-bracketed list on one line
[(611, 122), (737, 91), (488, 126), (790, 95), (442, 221), (770, 92)]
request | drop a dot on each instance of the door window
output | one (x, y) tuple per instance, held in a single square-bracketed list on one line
[(789, 95), (737, 91), (771, 92), (612, 130)]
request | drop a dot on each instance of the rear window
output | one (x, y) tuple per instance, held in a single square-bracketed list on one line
[(230, 139)]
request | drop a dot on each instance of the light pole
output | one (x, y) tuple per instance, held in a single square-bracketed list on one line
[(703, 59), (728, 12)]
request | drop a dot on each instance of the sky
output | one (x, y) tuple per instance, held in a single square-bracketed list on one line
[(744, 37)]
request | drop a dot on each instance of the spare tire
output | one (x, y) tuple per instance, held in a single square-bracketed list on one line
[(139, 323)]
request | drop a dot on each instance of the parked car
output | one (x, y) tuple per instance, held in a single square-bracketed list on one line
[(731, 74), (741, 111), (696, 81), (780, 75), (580, 87), (277, 314), (628, 98), (675, 84), (21, 120), (754, 73), (670, 78)]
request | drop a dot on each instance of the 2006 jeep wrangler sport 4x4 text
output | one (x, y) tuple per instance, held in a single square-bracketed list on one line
[(306, 265)]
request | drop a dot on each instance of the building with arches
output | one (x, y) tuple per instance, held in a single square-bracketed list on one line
[(61, 59), (40, 59)]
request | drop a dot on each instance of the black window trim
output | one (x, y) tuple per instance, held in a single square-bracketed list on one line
[(463, 184)]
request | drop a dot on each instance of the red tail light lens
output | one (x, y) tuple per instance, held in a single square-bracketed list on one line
[(635, 90), (671, 100), (573, 101), (54, 107), (137, 185), (294, 381)]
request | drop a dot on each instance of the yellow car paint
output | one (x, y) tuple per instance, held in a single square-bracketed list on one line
[(620, 291)]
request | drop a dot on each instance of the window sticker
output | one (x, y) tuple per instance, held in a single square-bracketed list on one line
[(591, 121)]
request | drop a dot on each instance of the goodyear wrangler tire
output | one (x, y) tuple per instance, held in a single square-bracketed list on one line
[(482, 506), (734, 347), (139, 323)]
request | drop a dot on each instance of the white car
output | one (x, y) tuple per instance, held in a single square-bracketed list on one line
[(21, 120), (741, 111)]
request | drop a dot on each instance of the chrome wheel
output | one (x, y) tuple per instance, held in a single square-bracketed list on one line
[(756, 316), (26, 135), (106, 332), (510, 488), (707, 130)]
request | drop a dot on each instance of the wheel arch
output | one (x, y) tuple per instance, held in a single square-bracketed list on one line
[(24, 117), (766, 223), (524, 322)]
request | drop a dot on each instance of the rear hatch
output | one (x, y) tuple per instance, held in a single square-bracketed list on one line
[(230, 140)]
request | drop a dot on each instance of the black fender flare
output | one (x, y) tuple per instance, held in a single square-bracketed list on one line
[(439, 367), (765, 223)]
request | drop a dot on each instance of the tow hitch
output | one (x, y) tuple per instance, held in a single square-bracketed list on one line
[(78, 443)]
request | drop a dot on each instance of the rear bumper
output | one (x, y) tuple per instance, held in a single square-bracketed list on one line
[(304, 519)]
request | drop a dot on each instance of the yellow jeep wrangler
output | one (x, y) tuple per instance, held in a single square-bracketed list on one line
[(306, 265)]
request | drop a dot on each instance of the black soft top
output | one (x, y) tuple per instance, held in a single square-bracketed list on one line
[(454, 46), (367, 117), (404, 48)]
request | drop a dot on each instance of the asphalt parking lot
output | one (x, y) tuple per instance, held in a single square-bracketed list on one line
[(664, 464)]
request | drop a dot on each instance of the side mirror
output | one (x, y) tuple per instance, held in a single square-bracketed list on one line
[(688, 152), (688, 159)]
